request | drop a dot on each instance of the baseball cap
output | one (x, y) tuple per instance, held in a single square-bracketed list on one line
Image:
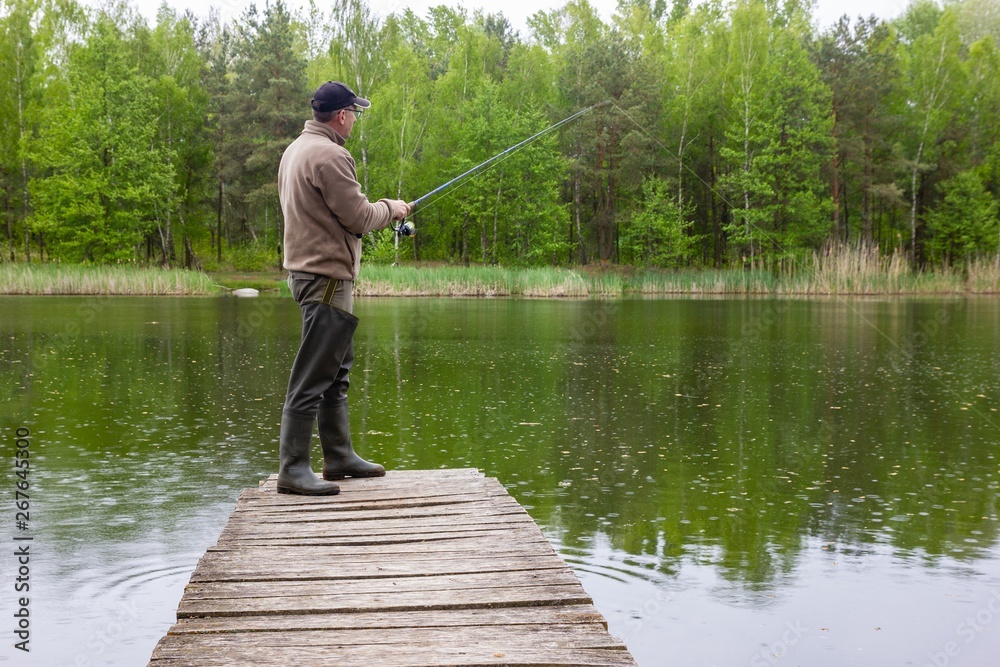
[(333, 96)]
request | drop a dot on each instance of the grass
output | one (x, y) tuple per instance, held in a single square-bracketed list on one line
[(101, 280), (836, 270), (481, 281), (265, 281)]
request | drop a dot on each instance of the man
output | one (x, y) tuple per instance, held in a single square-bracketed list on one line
[(326, 215)]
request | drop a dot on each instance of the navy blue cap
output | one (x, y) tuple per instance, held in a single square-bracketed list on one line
[(334, 96)]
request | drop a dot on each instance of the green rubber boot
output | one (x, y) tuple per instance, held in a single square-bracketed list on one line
[(295, 475), (339, 457)]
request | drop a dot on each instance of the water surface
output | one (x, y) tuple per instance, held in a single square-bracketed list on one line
[(736, 482)]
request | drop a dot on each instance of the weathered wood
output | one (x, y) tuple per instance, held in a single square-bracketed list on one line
[(427, 535), (245, 566), (471, 543), (401, 601), (413, 656), (449, 582), (551, 635), (457, 618), (437, 567)]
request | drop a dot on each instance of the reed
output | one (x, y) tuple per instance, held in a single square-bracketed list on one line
[(837, 269), (471, 281), (52, 279), (841, 269), (862, 269), (984, 275)]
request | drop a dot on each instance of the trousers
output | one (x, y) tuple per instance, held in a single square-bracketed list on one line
[(319, 376)]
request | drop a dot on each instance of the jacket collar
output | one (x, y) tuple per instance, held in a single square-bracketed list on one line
[(315, 127)]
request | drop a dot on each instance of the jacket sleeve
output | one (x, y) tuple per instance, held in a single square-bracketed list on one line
[(338, 183)]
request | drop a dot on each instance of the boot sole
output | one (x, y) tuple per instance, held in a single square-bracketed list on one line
[(336, 477), (300, 492)]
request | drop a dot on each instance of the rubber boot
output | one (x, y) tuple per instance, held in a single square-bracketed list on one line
[(339, 457), (295, 475)]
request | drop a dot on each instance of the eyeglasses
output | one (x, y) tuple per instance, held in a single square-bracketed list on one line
[(357, 112)]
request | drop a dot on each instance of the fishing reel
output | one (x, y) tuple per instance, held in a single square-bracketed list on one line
[(404, 228)]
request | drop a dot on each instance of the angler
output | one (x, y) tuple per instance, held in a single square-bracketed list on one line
[(326, 214)]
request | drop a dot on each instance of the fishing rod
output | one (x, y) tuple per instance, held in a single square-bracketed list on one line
[(405, 228)]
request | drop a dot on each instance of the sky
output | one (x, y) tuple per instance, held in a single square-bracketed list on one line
[(517, 11)]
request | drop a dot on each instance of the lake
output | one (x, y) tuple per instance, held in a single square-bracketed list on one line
[(735, 481)]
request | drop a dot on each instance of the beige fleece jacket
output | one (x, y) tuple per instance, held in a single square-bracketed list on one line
[(325, 211)]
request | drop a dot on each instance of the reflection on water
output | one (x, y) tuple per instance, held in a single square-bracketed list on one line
[(735, 481)]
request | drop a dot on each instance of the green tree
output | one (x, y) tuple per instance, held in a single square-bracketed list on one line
[(983, 100), (932, 66), (780, 138), (512, 206), (659, 231), (692, 96), (214, 42), (609, 148), (176, 70), (358, 58), (19, 56), (263, 111), (965, 223), (102, 175), (403, 105), (748, 62)]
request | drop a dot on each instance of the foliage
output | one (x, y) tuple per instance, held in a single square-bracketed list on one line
[(659, 233), (101, 173), (717, 133), (965, 224)]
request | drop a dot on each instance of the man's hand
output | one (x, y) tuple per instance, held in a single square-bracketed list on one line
[(400, 209)]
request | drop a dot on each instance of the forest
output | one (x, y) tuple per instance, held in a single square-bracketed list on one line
[(727, 134)]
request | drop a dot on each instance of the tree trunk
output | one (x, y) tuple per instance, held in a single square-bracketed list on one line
[(579, 230), (866, 189), (10, 228), (835, 188), (913, 205), (165, 261), (190, 257), (169, 256), (716, 224), (465, 239), (218, 224), (22, 130)]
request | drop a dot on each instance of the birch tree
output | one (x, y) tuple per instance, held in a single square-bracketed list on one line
[(934, 76)]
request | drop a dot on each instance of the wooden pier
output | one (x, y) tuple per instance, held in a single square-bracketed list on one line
[(423, 567)]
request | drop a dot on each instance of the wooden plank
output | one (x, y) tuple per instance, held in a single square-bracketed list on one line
[(416, 568), (323, 602), (377, 495), (375, 499), (412, 656), (216, 566), (448, 582), (456, 618), (348, 521), (411, 549), (427, 535), (467, 513), (550, 635)]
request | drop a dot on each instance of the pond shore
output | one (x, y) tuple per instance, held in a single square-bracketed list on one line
[(490, 281)]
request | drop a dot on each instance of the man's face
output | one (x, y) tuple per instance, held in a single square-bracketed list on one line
[(347, 117)]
